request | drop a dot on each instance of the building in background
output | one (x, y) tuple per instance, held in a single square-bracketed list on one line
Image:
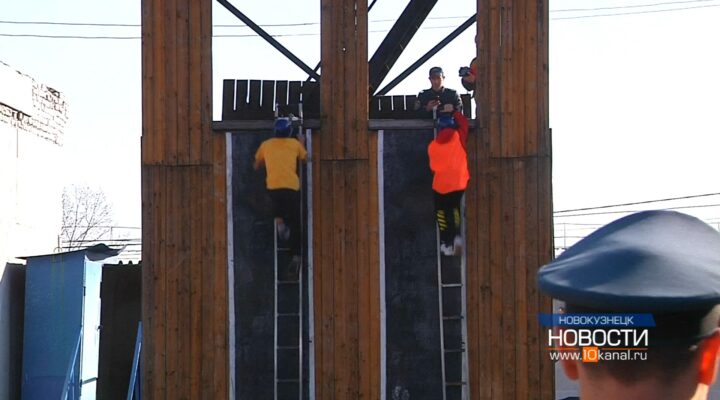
[(33, 117)]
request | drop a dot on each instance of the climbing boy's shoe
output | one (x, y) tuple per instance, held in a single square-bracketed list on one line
[(294, 267), (286, 234), (458, 244), (283, 232), (447, 249)]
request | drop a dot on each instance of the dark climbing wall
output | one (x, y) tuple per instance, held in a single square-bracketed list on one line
[(413, 328), (413, 333), (254, 278), (120, 294)]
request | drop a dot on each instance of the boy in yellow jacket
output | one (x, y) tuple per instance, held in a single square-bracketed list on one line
[(280, 155)]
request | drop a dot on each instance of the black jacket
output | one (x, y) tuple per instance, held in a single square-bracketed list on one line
[(447, 96)]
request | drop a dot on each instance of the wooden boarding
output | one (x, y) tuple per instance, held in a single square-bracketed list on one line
[(256, 100), (346, 302), (509, 202), (184, 311), (184, 307)]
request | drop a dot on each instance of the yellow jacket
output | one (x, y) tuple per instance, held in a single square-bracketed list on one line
[(280, 156)]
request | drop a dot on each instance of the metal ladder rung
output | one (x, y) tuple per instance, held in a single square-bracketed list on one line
[(447, 266), (285, 283), (462, 350), (288, 314), (452, 285)]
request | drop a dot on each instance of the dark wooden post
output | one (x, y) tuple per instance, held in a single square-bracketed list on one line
[(345, 240), (185, 302), (509, 203)]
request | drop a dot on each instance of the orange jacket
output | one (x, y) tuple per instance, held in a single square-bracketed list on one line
[(448, 158)]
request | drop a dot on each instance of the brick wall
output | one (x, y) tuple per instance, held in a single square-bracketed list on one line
[(48, 116)]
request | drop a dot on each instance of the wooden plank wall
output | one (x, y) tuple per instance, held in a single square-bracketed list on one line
[(256, 100), (184, 217), (345, 235), (403, 107), (509, 203)]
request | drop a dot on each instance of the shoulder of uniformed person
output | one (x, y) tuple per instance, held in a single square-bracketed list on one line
[(423, 97), (447, 93), (426, 92)]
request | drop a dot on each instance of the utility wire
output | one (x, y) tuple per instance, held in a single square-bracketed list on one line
[(68, 36), (29, 35), (632, 211), (631, 6), (113, 25), (638, 202), (634, 12), (98, 24)]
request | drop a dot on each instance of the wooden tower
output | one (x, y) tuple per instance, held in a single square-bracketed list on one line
[(184, 192)]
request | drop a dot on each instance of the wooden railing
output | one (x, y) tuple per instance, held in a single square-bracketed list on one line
[(255, 100)]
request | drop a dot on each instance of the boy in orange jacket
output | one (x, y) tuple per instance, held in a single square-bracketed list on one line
[(448, 162)]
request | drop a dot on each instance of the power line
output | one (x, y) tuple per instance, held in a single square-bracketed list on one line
[(632, 211), (638, 202), (632, 6), (68, 36), (116, 25), (112, 25), (68, 23), (296, 24), (634, 12), (588, 224), (249, 35)]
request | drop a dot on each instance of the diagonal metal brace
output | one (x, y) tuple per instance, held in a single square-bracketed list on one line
[(255, 27), (397, 39), (460, 29)]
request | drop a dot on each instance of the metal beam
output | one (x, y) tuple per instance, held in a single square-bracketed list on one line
[(317, 67), (427, 56), (397, 39), (255, 27)]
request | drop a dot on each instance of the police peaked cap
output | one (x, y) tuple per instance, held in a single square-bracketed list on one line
[(651, 261), (660, 262)]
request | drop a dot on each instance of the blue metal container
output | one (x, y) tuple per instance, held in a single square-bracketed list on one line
[(62, 321)]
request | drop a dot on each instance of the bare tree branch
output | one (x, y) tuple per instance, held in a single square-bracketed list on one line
[(87, 215)]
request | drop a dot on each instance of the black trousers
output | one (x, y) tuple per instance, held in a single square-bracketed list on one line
[(447, 214), (286, 205)]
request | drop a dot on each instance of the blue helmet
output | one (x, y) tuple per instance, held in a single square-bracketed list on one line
[(283, 127), (445, 121)]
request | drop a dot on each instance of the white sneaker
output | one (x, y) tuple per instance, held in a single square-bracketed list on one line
[(283, 232), (447, 250), (286, 234), (458, 244), (295, 265)]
